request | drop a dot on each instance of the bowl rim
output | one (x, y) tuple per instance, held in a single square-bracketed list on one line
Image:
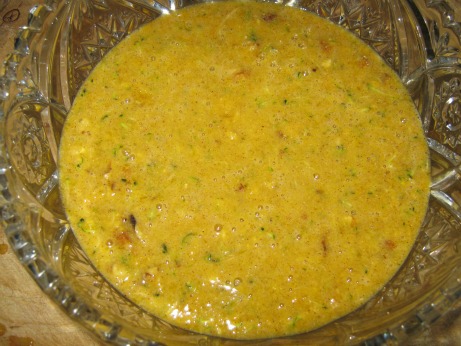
[(109, 329)]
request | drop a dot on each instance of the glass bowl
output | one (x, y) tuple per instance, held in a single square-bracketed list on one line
[(62, 43)]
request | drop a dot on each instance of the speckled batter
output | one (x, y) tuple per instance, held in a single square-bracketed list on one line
[(244, 170)]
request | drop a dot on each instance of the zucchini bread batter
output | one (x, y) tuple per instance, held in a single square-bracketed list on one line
[(244, 169)]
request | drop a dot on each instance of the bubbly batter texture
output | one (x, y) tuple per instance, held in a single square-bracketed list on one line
[(245, 170)]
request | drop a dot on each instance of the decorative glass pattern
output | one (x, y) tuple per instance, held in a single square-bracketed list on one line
[(63, 42)]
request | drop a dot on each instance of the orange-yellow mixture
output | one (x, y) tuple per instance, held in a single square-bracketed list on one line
[(244, 170)]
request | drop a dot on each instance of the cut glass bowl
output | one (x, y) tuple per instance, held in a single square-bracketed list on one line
[(63, 42)]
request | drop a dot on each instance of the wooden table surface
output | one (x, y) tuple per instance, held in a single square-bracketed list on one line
[(29, 318)]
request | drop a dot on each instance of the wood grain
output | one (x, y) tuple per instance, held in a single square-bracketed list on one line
[(27, 315)]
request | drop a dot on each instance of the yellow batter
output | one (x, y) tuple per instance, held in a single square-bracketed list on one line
[(244, 170)]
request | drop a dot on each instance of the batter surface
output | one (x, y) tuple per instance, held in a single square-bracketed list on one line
[(244, 170)]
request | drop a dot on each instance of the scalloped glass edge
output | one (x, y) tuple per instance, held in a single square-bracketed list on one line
[(108, 327)]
